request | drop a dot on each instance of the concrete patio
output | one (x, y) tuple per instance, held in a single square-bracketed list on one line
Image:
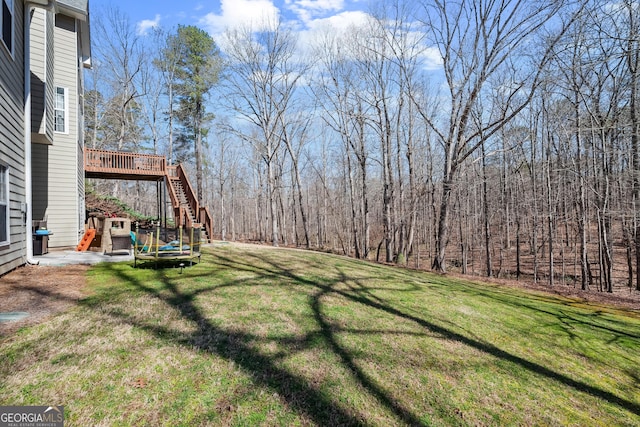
[(70, 256)]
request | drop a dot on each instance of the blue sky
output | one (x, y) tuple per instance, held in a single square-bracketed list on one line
[(214, 16)]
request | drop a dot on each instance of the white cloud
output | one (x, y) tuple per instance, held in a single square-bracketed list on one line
[(312, 19), (319, 4), (432, 59), (310, 9), (145, 25), (235, 13), (340, 22)]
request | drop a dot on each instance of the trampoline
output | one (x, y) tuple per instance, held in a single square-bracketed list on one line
[(149, 246)]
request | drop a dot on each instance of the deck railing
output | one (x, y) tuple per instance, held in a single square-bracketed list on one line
[(206, 220), (115, 162), (188, 190), (103, 163)]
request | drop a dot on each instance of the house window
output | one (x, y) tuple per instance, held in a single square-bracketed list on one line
[(61, 111), (6, 25), (4, 205)]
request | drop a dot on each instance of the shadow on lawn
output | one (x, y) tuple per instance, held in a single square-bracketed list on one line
[(297, 391), (564, 316)]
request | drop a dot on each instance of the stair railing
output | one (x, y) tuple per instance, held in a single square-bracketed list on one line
[(175, 201), (192, 200), (202, 214), (206, 220)]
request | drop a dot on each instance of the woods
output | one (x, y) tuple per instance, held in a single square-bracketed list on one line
[(489, 138)]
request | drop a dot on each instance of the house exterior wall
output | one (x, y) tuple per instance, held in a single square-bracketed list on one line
[(40, 181), (42, 90), (50, 25), (57, 54), (80, 135), (12, 140), (63, 168), (42, 60), (38, 56)]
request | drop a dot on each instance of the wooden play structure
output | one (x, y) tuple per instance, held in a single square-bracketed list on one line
[(193, 222), (107, 235), (150, 247), (187, 211)]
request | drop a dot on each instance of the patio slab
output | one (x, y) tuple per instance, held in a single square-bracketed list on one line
[(66, 257)]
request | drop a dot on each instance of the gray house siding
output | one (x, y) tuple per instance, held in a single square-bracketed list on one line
[(80, 133), (57, 55), (38, 34), (13, 254), (50, 90), (40, 180), (42, 71), (58, 171), (42, 90), (63, 194)]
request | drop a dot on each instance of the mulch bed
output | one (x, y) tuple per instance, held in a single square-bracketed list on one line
[(40, 291)]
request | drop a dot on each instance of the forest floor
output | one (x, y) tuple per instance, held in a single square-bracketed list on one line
[(621, 297)]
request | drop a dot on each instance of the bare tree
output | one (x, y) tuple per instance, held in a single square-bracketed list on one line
[(295, 128), (397, 52), (166, 62), (476, 41), (120, 51), (338, 87), (263, 77)]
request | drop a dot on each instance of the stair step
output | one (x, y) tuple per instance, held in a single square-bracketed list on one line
[(180, 193)]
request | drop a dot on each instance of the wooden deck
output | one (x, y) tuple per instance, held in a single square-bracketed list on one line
[(105, 164), (120, 165)]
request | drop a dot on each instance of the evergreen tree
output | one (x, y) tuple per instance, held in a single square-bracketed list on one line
[(197, 70)]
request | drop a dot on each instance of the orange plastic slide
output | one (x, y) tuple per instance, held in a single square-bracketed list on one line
[(86, 239)]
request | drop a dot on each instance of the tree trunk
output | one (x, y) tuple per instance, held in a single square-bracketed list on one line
[(364, 200), (550, 220), (485, 206), (352, 203), (443, 226), (223, 214), (198, 153), (273, 208)]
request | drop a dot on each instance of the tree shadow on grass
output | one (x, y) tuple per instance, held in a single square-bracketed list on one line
[(299, 393), (233, 345), (568, 318), (449, 334)]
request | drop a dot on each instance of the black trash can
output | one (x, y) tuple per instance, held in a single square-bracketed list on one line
[(40, 244)]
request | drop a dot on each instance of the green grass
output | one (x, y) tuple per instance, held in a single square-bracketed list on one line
[(276, 337)]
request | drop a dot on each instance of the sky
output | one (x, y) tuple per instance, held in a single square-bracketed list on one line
[(215, 16)]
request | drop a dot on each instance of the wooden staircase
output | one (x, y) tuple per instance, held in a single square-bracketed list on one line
[(145, 167), (182, 200), (186, 210)]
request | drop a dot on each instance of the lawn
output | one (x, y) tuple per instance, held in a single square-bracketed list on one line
[(257, 336)]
